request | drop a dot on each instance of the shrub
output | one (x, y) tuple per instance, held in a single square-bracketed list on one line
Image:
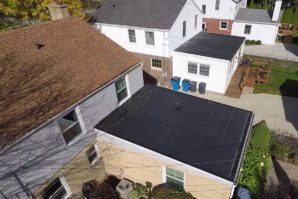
[(139, 191), (247, 42), (279, 150), (95, 190), (256, 159), (253, 42), (259, 42), (165, 192)]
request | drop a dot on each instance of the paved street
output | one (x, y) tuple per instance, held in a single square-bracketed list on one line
[(277, 51), (280, 113)]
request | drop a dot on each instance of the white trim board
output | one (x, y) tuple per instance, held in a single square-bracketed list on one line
[(101, 135)]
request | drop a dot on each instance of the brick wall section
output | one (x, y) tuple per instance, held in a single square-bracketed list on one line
[(213, 26), (138, 167), (156, 76)]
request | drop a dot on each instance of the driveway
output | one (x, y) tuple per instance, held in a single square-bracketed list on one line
[(277, 51), (280, 113)]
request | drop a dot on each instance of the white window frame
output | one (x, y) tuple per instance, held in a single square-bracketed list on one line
[(146, 40), (164, 175), (217, 5), (64, 185), (246, 29), (221, 24), (204, 11), (98, 156), (199, 70), (156, 68), (81, 123), (127, 90), (187, 68), (204, 30), (129, 36)]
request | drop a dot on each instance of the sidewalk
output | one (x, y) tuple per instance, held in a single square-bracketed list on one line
[(280, 113), (277, 51)]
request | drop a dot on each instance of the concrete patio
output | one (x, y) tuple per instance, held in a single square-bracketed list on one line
[(278, 51), (279, 112)]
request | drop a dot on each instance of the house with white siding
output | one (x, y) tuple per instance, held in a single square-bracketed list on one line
[(231, 17), (156, 39)]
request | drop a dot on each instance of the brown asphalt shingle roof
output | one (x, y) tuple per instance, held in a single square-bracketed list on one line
[(37, 84)]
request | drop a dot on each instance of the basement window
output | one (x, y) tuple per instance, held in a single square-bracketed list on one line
[(174, 177), (121, 89), (92, 154), (56, 190), (70, 126)]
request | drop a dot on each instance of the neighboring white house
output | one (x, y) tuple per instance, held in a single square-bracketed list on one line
[(209, 58), (255, 24)]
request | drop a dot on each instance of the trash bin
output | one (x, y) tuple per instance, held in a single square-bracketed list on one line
[(185, 85), (193, 86), (175, 81), (202, 88)]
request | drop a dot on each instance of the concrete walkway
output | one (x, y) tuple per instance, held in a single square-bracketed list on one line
[(280, 113), (277, 51)]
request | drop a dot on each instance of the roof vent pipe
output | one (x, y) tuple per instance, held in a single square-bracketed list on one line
[(276, 11)]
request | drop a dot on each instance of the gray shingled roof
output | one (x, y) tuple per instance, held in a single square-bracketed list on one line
[(255, 15), (159, 14), (212, 45)]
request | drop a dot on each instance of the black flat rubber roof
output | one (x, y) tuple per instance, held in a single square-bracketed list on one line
[(212, 45), (201, 133)]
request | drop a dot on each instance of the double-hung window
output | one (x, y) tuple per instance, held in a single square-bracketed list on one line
[(92, 154), (132, 36), (121, 89), (223, 25), (192, 68), (156, 63), (70, 126), (55, 190), (204, 69), (217, 4), (184, 29), (174, 177), (204, 9), (247, 29), (150, 38)]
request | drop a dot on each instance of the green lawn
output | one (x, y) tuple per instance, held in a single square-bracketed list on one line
[(283, 80)]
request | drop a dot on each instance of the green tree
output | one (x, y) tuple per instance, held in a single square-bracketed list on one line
[(36, 9)]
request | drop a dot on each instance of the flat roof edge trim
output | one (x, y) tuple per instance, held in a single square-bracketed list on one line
[(134, 147)]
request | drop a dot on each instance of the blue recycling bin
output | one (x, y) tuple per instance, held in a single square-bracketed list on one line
[(185, 85), (175, 81)]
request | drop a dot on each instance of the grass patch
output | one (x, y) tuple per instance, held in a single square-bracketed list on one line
[(283, 79), (256, 160)]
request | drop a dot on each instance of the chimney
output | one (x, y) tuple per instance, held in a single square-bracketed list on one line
[(58, 11), (277, 9)]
